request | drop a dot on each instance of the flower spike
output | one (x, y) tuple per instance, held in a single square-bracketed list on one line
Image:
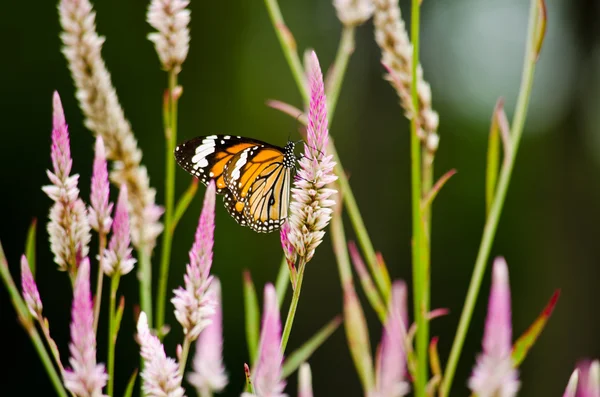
[(99, 212), (30, 290), (118, 259)]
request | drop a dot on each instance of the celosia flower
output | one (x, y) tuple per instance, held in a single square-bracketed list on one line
[(104, 116), (266, 378), (193, 305), (160, 375), (30, 291), (353, 12), (494, 374), (396, 56), (209, 374), (99, 211), (85, 378), (585, 380), (310, 209), (288, 247), (171, 19), (305, 381), (117, 258), (68, 228), (390, 370)]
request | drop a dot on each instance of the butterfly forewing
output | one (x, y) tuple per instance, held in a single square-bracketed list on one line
[(253, 175)]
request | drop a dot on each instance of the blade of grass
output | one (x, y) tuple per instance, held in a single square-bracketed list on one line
[(130, 384), (303, 353), (30, 245), (184, 203), (252, 316)]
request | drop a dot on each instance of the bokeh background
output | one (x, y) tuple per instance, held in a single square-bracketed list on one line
[(471, 53)]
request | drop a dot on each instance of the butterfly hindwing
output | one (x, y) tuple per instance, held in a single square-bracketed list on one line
[(253, 175)]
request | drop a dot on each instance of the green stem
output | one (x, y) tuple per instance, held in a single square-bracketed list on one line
[(26, 321), (288, 45), (345, 50), (98, 298), (420, 254), (112, 336), (287, 329), (185, 351), (170, 120), (491, 224), (145, 277)]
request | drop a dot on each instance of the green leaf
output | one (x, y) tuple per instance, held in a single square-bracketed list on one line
[(541, 28), (130, 384), (302, 354), (252, 316), (493, 158), (119, 316), (30, 246), (283, 281), (184, 202), (529, 337), (428, 199)]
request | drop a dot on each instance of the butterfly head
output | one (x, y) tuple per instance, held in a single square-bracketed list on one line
[(289, 158)]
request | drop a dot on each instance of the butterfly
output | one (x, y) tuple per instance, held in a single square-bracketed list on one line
[(254, 176)]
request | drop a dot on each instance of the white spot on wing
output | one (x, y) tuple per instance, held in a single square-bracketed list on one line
[(235, 175)]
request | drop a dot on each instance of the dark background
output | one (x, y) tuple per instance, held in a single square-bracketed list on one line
[(471, 53)]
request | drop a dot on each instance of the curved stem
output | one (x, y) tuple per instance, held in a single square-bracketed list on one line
[(112, 335), (185, 350), (491, 224), (345, 50), (170, 120), (287, 329)]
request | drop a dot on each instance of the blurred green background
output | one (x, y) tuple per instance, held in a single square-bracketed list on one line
[(471, 54)]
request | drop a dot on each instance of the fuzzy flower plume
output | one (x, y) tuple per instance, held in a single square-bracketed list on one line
[(396, 49), (209, 374), (117, 258), (193, 304), (585, 380), (104, 116), (310, 210), (160, 376), (68, 228), (267, 373), (390, 370), (30, 291), (494, 375), (353, 12), (172, 40), (86, 378), (99, 212)]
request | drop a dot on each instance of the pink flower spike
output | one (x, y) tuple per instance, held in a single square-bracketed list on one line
[(193, 305), (585, 380), (61, 150), (99, 212), (209, 374), (288, 247), (161, 374), (172, 40), (267, 373), (86, 378), (310, 209), (117, 258), (494, 374), (390, 369), (30, 291)]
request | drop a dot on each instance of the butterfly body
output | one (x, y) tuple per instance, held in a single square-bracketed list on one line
[(254, 176)]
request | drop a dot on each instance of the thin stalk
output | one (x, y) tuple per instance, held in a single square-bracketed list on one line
[(491, 224), (98, 298), (185, 350), (145, 277), (288, 45), (289, 321), (170, 120), (420, 254), (281, 285), (427, 184), (26, 321), (345, 50), (112, 335)]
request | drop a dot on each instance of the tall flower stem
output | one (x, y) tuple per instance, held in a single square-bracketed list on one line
[(420, 249), (289, 321), (145, 277), (27, 323), (170, 121), (491, 224), (288, 45), (100, 279), (112, 334), (345, 50), (185, 351)]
